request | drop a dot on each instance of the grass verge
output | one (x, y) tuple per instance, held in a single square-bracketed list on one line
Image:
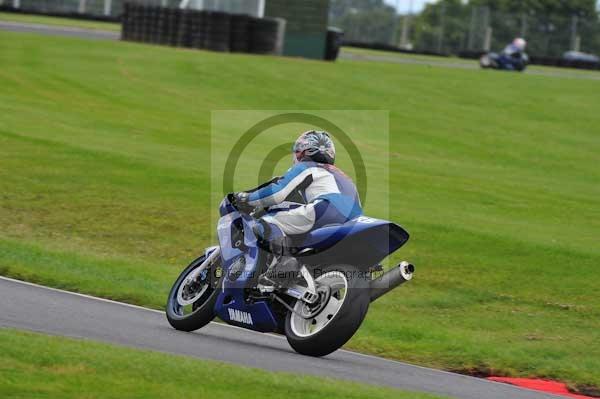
[(40, 366), (105, 187)]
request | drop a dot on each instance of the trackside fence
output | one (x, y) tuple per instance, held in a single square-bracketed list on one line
[(464, 29)]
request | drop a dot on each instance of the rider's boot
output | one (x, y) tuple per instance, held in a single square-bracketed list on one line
[(283, 268), (282, 272)]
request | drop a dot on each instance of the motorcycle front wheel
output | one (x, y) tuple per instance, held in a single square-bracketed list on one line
[(324, 327), (485, 61), (192, 298)]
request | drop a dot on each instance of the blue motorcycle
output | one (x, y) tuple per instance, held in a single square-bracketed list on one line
[(516, 62), (324, 303)]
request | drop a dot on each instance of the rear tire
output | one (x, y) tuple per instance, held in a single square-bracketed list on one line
[(203, 308), (342, 323)]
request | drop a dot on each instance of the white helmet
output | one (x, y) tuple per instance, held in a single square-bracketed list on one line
[(315, 146), (520, 43)]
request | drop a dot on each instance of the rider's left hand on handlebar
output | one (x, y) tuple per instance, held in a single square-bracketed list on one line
[(241, 202), (241, 197)]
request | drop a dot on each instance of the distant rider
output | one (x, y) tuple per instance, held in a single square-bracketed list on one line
[(514, 55), (326, 195)]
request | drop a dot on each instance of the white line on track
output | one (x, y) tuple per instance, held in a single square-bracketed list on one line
[(129, 305)]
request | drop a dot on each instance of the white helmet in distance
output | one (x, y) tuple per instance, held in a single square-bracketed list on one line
[(520, 43)]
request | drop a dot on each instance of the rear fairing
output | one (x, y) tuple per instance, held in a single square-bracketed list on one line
[(362, 242)]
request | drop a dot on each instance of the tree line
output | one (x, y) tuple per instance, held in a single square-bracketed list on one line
[(450, 26)]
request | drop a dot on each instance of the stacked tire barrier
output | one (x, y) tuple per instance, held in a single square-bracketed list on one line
[(211, 30), (238, 33), (263, 35), (217, 31)]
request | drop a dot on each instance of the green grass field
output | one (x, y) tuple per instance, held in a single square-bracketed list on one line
[(40, 366), (104, 176)]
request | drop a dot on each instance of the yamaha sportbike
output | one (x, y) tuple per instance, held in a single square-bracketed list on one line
[(504, 62), (320, 308)]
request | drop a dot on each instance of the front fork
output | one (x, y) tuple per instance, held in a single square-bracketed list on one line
[(212, 254)]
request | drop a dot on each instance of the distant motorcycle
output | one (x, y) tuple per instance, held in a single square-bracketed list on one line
[(326, 301), (504, 62)]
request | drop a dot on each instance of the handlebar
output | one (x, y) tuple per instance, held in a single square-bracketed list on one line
[(243, 208)]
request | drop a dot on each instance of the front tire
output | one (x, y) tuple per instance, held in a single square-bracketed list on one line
[(202, 302), (485, 61), (336, 322)]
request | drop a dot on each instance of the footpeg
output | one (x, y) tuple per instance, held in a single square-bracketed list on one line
[(265, 289), (310, 297)]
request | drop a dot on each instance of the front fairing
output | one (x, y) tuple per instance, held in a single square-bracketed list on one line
[(225, 207), (241, 265), (238, 249)]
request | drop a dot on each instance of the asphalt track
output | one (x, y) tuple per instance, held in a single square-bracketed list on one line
[(55, 30), (32, 307), (450, 63)]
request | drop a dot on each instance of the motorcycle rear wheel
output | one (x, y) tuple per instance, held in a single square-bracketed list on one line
[(335, 321), (202, 302)]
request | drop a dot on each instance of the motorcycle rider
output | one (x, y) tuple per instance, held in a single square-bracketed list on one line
[(327, 194), (514, 53), (516, 48)]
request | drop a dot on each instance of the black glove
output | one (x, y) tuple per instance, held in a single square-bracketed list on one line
[(241, 202)]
